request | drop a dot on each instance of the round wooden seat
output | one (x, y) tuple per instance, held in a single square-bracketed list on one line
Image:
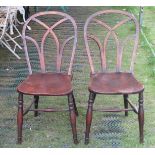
[(47, 84), (114, 83)]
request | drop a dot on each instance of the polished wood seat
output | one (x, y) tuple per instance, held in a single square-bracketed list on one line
[(114, 83), (47, 84)]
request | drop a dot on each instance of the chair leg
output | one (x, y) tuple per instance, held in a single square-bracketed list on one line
[(20, 118), (126, 103), (89, 116), (141, 117), (36, 99), (72, 117), (76, 111)]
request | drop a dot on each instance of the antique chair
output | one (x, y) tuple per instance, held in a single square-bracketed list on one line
[(43, 82), (114, 80)]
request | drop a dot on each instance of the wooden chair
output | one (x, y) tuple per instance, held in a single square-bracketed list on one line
[(45, 83), (116, 82)]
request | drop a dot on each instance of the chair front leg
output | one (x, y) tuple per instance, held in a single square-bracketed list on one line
[(36, 100), (89, 116), (141, 117), (126, 103), (20, 118), (72, 117)]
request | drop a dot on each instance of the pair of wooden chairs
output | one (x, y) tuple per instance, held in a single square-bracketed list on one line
[(104, 82)]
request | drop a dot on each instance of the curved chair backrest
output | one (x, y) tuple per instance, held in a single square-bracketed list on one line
[(111, 31), (49, 30)]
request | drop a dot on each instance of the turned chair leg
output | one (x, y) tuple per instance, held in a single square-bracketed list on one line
[(76, 111), (20, 118), (89, 116), (72, 117), (126, 103), (141, 117), (36, 99)]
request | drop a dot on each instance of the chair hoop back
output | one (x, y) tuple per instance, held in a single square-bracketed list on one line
[(111, 31), (49, 30)]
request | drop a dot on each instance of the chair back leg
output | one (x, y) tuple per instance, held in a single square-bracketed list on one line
[(36, 100), (126, 103), (76, 111)]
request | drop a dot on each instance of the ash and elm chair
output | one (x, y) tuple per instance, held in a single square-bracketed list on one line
[(45, 83), (117, 82)]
